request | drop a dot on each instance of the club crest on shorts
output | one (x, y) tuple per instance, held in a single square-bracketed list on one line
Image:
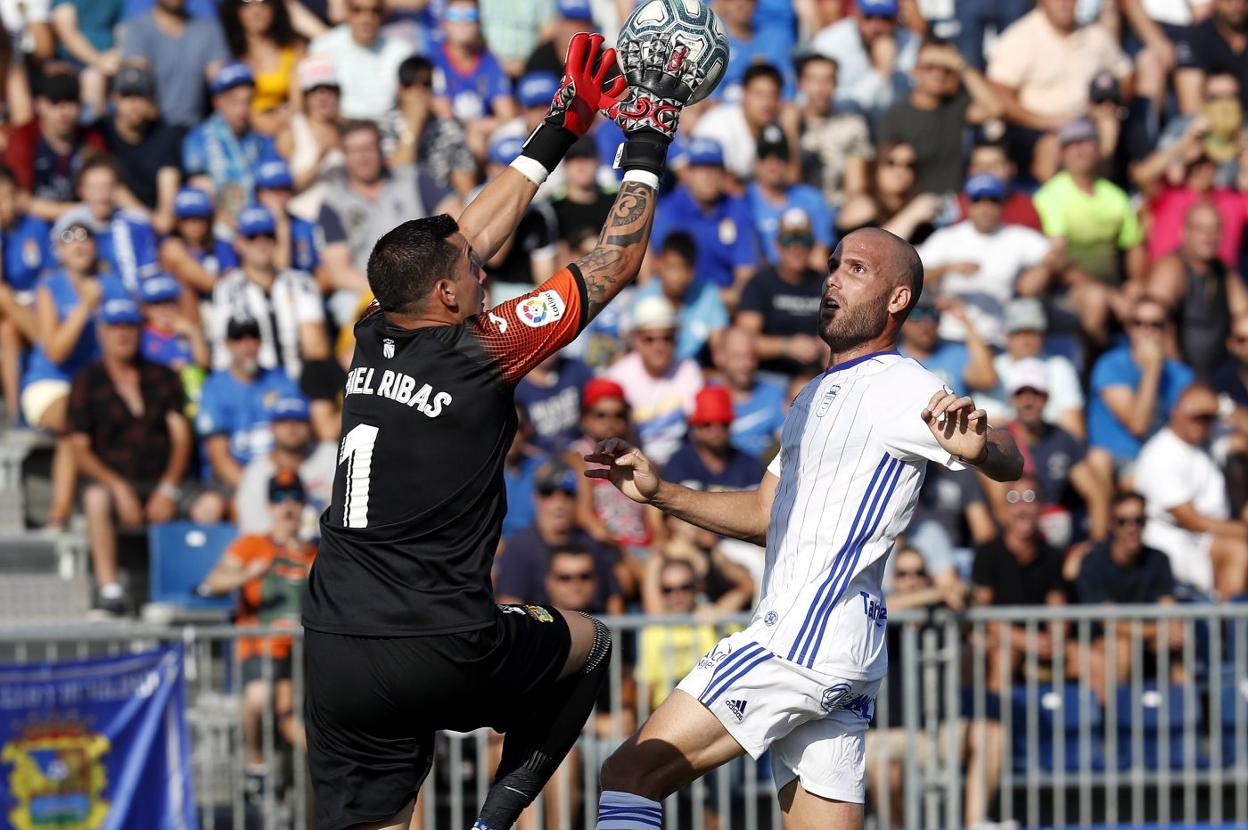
[(715, 656), (541, 309), (826, 402), (834, 696), (387, 348)]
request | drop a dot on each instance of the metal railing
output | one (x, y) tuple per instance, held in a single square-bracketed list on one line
[(1076, 744)]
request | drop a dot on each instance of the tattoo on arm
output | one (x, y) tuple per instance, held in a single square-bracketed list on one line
[(616, 259), (1003, 461)]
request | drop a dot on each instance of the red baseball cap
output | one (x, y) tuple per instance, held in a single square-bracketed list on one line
[(600, 388), (713, 405)]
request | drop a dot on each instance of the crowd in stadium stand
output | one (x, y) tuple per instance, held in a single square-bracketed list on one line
[(191, 188)]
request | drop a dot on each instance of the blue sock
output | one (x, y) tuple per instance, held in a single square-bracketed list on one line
[(625, 811)]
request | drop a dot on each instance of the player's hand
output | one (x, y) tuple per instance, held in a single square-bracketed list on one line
[(661, 80), (626, 467), (960, 428), (584, 88)]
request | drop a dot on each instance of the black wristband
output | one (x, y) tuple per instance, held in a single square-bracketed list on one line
[(644, 150), (548, 144)]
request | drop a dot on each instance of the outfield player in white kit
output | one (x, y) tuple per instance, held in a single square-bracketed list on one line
[(801, 680)]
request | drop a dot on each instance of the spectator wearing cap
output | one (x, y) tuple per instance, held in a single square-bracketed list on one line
[(581, 204), (285, 302), (738, 127), (708, 460), (1203, 295), (990, 157), (1096, 222), (1043, 66), (982, 262), (893, 200), (170, 338), (86, 38), (570, 17), (268, 569), (780, 303), (835, 142), (413, 134), (1077, 493), (865, 83), (312, 138), (533, 94), (757, 404), (550, 396), (236, 405), (261, 35), (366, 59), (124, 239), (719, 222), (193, 253), (469, 84), (182, 51), (363, 202), (220, 154), (1134, 387), (700, 311), (1189, 517), (1026, 330), (750, 44), (772, 194), (658, 386), (520, 568), (147, 150), (962, 366), (130, 440), (526, 259), (46, 153), (298, 243), (948, 95), (25, 251), (295, 452), (1210, 47)]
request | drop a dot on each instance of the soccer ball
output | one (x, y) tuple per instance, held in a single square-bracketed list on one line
[(661, 27)]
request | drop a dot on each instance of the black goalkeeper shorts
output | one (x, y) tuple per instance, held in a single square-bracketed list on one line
[(373, 704)]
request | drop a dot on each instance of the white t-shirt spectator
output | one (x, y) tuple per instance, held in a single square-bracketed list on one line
[(369, 76), (858, 83), (726, 124), (1171, 472), (292, 301), (251, 499), (1002, 255), (659, 406), (1065, 393), (17, 15)]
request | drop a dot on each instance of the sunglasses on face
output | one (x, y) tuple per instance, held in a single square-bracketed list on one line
[(583, 576), (905, 164), (921, 314), (281, 498), (657, 338), (916, 574), (609, 414), (1202, 417), (546, 491), (253, 237), (996, 200), (684, 588), (1016, 496), (788, 240), (1129, 521), (78, 234), (1157, 325), (936, 67)]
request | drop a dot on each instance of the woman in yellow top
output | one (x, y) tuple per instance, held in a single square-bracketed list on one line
[(260, 34)]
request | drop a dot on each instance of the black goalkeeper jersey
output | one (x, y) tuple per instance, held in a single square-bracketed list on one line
[(408, 540)]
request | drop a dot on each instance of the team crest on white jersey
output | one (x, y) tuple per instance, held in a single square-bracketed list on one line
[(826, 403), (541, 309), (387, 348)]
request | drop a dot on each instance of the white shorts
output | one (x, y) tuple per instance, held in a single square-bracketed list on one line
[(815, 725), (37, 398)]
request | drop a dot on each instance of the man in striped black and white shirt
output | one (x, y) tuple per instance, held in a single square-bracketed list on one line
[(801, 680)]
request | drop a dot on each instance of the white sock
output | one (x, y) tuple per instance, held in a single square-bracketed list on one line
[(112, 590), (625, 811)]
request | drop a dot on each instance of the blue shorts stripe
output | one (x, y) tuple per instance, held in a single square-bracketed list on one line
[(803, 634), (729, 665), (727, 684)]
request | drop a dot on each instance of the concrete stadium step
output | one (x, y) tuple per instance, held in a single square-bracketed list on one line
[(28, 597)]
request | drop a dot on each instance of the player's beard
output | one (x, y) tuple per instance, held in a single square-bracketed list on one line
[(851, 326)]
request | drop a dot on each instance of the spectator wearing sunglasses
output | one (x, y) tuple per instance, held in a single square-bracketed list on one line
[(700, 311), (772, 194), (708, 460), (980, 261), (469, 84), (1189, 517), (366, 61), (667, 652), (1122, 570), (412, 133)]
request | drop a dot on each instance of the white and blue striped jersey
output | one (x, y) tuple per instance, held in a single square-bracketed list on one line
[(852, 458)]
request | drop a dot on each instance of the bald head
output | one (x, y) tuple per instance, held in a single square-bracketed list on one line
[(1194, 414), (899, 258)]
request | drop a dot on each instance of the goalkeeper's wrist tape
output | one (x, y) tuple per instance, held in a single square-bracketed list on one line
[(543, 150), (643, 150)]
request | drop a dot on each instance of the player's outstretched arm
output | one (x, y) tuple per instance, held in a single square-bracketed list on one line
[(964, 433), (493, 216), (615, 260), (742, 514)]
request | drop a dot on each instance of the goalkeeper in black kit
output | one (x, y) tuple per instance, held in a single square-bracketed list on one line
[(403, 635)]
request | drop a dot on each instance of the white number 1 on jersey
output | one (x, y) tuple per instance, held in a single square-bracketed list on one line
[(357, 451)]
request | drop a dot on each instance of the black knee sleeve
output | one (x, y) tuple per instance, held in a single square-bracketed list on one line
[(601, 649)]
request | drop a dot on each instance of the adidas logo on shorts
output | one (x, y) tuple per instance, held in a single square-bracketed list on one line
[(737, 707)]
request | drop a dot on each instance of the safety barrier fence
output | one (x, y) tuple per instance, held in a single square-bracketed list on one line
[(1050, 716)]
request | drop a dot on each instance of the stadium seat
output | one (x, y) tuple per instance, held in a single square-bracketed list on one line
[(182, 553), (1057, 708), (1182, 711)]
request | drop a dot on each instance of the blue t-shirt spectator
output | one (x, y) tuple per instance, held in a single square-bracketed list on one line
[(767, 216), (741, 471), (724, 235), (97, 21), (519, 484), (472, 91), (87, 349), (27, 251), (167, 348), (212, 149), (1118, 368), (555, 410), (947, 362), (700, 312), (758, 419), (305, 253), (125, 241), (240, 411)]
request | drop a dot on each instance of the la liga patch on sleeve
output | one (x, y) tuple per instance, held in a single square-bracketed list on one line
[(541, 309)]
